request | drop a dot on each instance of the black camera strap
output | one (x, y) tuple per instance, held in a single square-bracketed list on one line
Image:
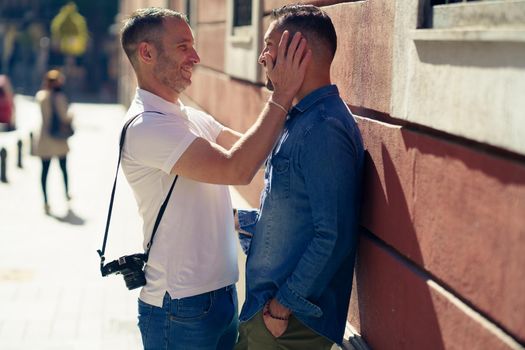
[(162, 207)]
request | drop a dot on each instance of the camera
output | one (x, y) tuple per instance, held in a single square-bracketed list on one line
[(129, 266)]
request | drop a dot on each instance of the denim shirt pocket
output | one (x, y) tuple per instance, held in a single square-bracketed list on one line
[(280, 183)]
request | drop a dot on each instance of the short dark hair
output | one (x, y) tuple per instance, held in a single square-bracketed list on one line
[(145, 25), (309, 20)]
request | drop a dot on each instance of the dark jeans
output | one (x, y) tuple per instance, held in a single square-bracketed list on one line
[(205, 321)]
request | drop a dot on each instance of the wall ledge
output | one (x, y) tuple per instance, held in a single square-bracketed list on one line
[(470, 34)]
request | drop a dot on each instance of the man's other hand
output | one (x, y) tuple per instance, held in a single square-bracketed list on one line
[(271, 314)]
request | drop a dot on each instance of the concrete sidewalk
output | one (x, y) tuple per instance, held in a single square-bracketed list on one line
[(51, 293)]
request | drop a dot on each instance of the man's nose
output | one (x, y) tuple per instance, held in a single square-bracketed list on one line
[(261, 58), (195, 57)]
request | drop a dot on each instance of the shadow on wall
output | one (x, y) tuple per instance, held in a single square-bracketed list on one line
[(394, 303), (433, 214), (469, 211), (495, 167), (471, 54)]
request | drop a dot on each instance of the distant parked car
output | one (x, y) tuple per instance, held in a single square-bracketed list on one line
[(7, 104)]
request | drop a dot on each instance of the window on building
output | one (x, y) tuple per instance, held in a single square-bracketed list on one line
[(190, 9), (243, 38), (242, 13), (474, 20)]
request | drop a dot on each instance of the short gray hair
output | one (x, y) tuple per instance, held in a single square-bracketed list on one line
[(145, 25)]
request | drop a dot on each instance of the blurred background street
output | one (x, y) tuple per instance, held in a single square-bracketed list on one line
[(80, 38), (51, 293)]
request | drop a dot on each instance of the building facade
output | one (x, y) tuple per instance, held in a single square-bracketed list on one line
[(438, 90)]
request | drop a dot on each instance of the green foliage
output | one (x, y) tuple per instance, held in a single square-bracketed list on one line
[(69, 29)]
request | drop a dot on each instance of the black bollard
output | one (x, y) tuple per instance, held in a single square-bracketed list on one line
[(19, 145), (31, 146), (3, 164)]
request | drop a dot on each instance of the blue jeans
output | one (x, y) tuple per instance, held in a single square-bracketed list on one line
[(204, 321)]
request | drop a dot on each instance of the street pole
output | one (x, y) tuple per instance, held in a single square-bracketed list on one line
[(3, 164), (19, 145)]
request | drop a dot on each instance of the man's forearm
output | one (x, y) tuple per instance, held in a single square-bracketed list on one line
[(210, 162), (248, 153)]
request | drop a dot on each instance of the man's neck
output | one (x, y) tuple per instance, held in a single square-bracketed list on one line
[(158, 89), (310, 85)]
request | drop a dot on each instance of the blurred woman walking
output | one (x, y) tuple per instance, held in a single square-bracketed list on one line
[(55, 130)]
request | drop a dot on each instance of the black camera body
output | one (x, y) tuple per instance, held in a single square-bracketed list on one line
[(129, 266)]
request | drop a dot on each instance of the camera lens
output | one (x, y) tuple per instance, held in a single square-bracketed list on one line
[(135, 279)]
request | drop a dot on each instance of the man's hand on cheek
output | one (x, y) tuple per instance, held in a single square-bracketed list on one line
[(287, 70)]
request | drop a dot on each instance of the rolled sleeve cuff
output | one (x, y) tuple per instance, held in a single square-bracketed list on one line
[(289, 298)]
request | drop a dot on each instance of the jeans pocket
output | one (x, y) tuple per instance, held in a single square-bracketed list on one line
[(192, 308), (145, 312), (227, 306), (234, 298)]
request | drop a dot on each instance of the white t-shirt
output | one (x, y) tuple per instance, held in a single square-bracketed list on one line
[(195, 249)]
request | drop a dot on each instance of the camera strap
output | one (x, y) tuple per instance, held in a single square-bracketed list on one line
[(162, 207)]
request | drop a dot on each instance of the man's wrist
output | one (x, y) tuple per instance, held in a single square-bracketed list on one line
[(277, 310), (268, 312), (284, 100), (282, 108)]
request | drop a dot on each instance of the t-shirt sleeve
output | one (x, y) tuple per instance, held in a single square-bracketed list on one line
[(207, 123), (158, 141), (214, 125)]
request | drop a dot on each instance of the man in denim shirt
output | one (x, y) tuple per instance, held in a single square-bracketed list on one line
[(301, 256)]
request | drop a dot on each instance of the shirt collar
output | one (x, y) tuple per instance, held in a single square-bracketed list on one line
[(313, 97), (152, 102)]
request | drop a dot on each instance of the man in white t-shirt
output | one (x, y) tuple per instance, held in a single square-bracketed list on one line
[(189, 300)]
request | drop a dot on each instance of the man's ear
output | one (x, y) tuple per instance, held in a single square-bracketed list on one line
[(146, 52)]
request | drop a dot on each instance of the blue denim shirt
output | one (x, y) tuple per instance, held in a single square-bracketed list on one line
[(304, 236)]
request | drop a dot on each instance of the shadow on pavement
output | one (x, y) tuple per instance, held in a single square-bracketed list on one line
[(70, 218)]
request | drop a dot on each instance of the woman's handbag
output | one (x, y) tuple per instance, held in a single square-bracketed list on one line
[(59, 129)]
